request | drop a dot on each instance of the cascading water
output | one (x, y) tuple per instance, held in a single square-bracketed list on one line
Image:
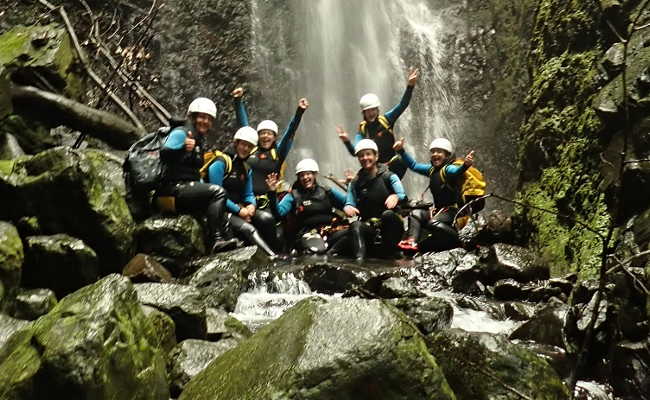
[(334, 51)]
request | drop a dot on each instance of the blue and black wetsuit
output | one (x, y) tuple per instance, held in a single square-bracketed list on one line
[(182, 181), (446, 196), (266, 161), (368, 194), (383, 135), (238, 183), (314, 211)]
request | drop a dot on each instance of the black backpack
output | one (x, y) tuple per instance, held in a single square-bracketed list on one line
[(143, 169)]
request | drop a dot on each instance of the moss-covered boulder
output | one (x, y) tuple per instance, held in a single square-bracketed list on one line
[(59, 262), (95, 344), (175, 237), (164, 329), (343, 349), (40, 52), (80, 193), (221, 325), (11, 263), (481, 366)]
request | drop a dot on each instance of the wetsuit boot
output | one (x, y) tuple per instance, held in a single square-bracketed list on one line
[(252, 235), (358, 240)]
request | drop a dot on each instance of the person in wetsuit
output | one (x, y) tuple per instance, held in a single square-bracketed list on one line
[(373, 195), (270, 153), (379, 128), (181, 190), (229, 169), (314, 207), (444, 184)]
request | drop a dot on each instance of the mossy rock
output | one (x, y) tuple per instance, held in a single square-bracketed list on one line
[(11, 263), (40, 50), (343, 349), (481, 366), (6, 107), (20, 362), (32, 135), (79, 192)]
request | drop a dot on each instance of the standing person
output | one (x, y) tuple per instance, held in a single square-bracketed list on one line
[(373, 195), (181, 190), (319, 227), (229, 170), (269, 155), (379, 128), (444, 184)]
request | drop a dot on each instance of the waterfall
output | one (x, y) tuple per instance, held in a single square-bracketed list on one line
[(333, 52)]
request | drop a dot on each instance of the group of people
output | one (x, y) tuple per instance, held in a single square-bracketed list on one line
[(238, 188)]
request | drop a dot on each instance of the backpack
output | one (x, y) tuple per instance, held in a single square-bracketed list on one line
[(471, 186), (142, 168), (383, 121)]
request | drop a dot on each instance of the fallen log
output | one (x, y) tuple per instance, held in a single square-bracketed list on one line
[(59, 110)]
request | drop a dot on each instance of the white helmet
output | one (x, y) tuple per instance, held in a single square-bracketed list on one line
[(368, 101), (202, 105), (247, 134), (441, 143), (365, 144), (268, 124), (307, 165)]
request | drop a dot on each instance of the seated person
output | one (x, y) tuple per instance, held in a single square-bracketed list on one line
[(229, 169), (313, 206), (373, 195), (444, 178)]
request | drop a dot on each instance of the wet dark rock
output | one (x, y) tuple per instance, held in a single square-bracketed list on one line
[(221, 325), (190, 357), (457, 268), (5, 100), (29, 226), (564, 284), (163, 328), (545, 327), (542, 292), (589, 390), (59, 262), (182, 303), (585, 290), (613, 59), (487, 366), (348, 348), (429, 314), (519, 311), (486, 229), (587, 312), (385, 287), (79, 192), (221, 278), (11, 264), (514, 262), (31, 304), (507, 289), (333, 278), (9, 326), (93, 344), (631, 377), (143, 268), (175, 237), (555, 356)]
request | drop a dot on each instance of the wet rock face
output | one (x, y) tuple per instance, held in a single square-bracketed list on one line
[(515, 262), (484, 366), (430, 314), (221, 325), (59, 262), (182, 303), (545, 327), (93, 344), (344, 349), (77, 192), (31, 304), (11, 263), (174, 237), (190, 357), (632, 377), (9, 326)]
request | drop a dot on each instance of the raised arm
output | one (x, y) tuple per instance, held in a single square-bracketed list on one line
[(286, 141), (394, 113), (240, 107)]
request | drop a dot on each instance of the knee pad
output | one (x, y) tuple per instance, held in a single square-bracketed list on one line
[(216, 191), (265, 218)]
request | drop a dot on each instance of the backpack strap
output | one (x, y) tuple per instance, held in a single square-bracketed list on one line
[(210, 157), (383, 121)]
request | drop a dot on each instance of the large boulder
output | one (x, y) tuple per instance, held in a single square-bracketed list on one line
[(96, 343), (481, 366), (343, 349), (79, 192), (144, 268), (59, 262), (508, 261), (221, 325), (163, 326), (175, 237), (430, 314), (11, 263), (545, 327), (182, 303)]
